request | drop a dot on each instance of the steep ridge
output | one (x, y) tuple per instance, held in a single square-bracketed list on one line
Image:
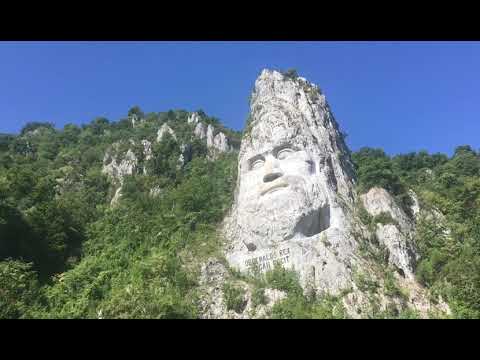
[(296, 206)]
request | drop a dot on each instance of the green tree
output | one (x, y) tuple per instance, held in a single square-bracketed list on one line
[(19, 290)]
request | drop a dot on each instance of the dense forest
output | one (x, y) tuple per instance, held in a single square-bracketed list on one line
[(65, 252)]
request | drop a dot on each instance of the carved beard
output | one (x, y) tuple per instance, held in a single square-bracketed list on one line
[(279, 216)]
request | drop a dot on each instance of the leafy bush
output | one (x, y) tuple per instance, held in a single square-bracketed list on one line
[(365, 283), (290, 73), (283, 279), (234, 296), (19, 289), (258, 296)]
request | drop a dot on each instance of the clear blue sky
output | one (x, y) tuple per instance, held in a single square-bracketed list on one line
[(395, 95)]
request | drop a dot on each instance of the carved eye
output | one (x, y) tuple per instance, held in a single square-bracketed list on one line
[(284, 153), (256, 164)]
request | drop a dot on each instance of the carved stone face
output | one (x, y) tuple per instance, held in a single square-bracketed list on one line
[(277, 172), (279, 195)]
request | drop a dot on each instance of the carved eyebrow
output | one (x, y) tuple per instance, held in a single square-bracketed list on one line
[(255, 158), (279, 148)]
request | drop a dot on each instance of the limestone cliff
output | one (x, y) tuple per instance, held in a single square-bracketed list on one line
[(295, 189), (397, 234), (296, 205), (118, 163)]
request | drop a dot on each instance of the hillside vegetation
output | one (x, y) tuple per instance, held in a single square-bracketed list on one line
[(66, 253)]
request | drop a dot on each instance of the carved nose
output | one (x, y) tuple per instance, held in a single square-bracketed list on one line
[(272, 176), (272, 172)]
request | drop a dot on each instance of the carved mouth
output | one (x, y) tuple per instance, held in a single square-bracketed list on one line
[(274, 187)]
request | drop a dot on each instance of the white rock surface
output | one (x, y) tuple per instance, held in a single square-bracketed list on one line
[(209, 136), (134, 120), (155, 191), (295, 187), (116, 169), (186, 154), (379, 200), (396, 238), (194, 118), (220, 142), (116, 166), (213, 276), (415, 206), (116, 197), (200, 131), (163, 130), (147, 149)]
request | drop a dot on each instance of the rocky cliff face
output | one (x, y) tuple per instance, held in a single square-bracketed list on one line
[(296, 206), (218, 142), (117, 168), (117, 165), (295, 189), (296, 203), (397, 235), (163, 130)]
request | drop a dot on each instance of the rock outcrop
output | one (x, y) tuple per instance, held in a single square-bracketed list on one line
[(163, 130), (117, 168), (134, 120), (396, 236), (118, 164), (295, 188), (147, 149), (185, 155), (214, 276), (296, 204), (194, 118), (216, 142), (415, 208), (220, 142), (200, 131), (209, 136)]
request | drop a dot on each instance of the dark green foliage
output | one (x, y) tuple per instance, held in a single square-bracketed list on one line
[(136, 111), (384, 218), (53, 202), (131, 266), (374, 168), (258, 296), (364, 283), (300, 307), (5, 140), (283, 279), (297, 305), (15, 232), (19, 290), (99, 125), (32, 126), (391, 287), (449, 248), (94, 261), (165, 158), (65, 253), (234, 297), (290, 73)]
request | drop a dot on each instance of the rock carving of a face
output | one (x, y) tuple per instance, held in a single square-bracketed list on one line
[(279, 194)]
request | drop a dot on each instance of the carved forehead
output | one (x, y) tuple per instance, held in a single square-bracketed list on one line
[(266, 136)]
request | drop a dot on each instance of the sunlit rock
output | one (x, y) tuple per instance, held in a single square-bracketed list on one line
[(294, 188), (396, 234), (194, 118), (200, 131), (163, 130)]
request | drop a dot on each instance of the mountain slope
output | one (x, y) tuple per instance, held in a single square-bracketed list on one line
[(124, 219)]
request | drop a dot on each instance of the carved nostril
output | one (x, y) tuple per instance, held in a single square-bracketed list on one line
[(272, 176)]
